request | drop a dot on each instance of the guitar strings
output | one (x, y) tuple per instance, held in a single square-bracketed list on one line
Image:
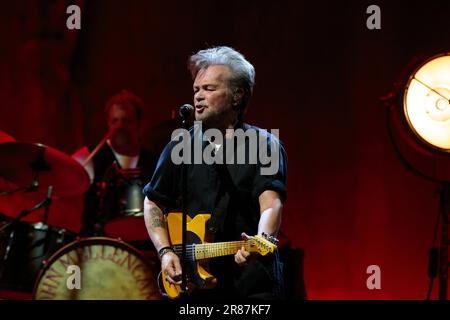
[(190, 248)]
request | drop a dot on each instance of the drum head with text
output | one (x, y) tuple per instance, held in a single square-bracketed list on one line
[(97, 269)]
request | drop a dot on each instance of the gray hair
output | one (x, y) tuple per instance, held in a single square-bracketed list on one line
[(243, 73)]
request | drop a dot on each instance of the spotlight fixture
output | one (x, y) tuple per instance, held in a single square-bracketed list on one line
[(426, 102), (422, 104)]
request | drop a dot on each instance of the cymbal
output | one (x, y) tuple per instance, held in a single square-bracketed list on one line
[(4, 137), (24, 162)]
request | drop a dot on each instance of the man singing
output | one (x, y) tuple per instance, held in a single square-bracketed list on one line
[(240, 196)]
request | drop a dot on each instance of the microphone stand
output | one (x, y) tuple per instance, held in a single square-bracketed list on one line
[(185, 112)]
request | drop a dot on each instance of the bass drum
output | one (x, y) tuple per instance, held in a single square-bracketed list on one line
[(98, 269)]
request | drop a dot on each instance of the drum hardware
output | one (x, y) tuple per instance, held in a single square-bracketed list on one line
[(32, 187), (26, 248), (125, 186), (40, 170), (121, 206), (43, 204), (32, 245), (103, 189)]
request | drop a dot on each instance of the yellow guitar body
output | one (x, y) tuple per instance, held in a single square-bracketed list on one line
[(197, 225)]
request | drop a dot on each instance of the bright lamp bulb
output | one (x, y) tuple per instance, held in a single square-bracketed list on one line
[(427, 102)]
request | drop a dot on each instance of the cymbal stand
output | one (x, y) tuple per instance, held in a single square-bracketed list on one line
[(32, 187)]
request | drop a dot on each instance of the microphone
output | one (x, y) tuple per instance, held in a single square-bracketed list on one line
[(186, 111)]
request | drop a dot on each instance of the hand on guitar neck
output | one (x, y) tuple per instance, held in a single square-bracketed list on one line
[(243, 257)]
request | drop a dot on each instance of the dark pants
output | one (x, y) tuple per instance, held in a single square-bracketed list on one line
[(260, 279)]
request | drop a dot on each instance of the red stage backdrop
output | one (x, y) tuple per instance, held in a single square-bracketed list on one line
[(319, 76)]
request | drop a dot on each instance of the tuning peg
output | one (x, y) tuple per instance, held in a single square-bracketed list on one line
[(270, 238), (245, 236)]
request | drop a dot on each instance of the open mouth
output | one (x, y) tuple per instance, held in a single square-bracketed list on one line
[(199, 109)]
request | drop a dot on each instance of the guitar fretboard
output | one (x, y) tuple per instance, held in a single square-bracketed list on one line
[(213, 250), (219, 249)]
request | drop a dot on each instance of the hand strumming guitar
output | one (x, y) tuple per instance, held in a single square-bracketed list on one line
[(171, 265)]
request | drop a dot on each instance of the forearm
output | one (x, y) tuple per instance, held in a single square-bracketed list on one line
[(156, 224), (270, 219)]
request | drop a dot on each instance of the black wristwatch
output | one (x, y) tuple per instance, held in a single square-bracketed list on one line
[(164, 250)]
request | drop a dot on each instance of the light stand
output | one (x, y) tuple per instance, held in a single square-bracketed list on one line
[(424, 108), (443, 250)]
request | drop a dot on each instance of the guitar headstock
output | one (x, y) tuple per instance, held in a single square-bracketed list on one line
[(270, 238), (263, 244)]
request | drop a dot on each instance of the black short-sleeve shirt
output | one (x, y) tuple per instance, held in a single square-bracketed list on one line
[(206, 183)]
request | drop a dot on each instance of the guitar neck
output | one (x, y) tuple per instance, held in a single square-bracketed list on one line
[(219, 249)]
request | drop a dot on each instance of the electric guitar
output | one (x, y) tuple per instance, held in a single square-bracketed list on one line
[(198, 251)]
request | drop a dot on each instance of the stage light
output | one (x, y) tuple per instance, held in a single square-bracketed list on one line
[(422, 102), (426, 102)]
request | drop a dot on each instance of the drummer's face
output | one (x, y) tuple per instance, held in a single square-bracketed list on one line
[(123, 117)]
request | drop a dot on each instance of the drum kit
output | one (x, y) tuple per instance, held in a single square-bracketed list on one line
[(38, 255)]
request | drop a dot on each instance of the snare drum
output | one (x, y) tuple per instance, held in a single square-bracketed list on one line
[(24, 247), (106, 269)]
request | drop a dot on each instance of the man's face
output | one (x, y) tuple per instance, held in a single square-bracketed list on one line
[(213, 97), (123, 123)]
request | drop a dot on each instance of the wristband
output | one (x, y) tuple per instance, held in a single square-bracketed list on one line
[(164, 250)]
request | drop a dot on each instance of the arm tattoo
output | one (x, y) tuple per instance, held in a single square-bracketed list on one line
[(157, 218)]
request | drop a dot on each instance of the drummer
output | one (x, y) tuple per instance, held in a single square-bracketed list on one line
[(120, 149)]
